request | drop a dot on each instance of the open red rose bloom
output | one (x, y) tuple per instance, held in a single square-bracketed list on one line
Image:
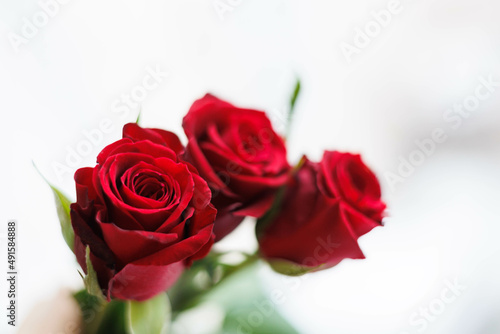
[(241, 157), (326, 208), (144, 214)]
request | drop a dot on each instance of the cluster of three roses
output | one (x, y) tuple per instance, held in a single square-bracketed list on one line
[(150, 207)]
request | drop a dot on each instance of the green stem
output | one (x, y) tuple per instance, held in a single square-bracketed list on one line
[(251, 259), (187, 293)]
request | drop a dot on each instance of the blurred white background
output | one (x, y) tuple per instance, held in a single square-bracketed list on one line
[(444, 225)]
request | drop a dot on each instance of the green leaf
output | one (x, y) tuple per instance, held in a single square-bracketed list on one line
[(149, 317), (138, 117), (295, 96), (91, 281), (63, 212), (293, 101)]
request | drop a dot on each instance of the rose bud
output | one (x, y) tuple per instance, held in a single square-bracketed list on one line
[(326, 207), (241, 157), (144, 214)]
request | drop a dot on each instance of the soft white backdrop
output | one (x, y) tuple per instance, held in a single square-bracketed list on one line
[(443, 223)]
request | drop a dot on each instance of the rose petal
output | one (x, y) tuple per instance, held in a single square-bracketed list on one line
[(250, 186), (360, 223), (225, 223), (85, 192), (196, 156), (331, 242), (129, 246), (139, 282), (107, 151), (158, 136), (179, 251), (257, 208), (82, 228)]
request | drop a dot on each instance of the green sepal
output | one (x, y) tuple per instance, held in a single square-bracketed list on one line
[(290, 268), (138, 119), (149, 317), (63, 212), (91, 281)]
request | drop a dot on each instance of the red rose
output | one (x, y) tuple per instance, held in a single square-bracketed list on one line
[(241, 157), (325, 209), (144, 214)]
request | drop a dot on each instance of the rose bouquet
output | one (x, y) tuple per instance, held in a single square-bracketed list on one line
[(148, 213)]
